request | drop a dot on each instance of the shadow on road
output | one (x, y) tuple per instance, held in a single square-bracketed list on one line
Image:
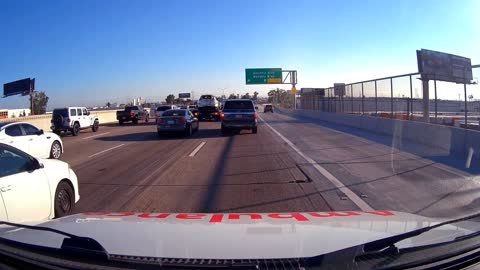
[(132, 137), (115, 124), (153, 136), (214, 186)]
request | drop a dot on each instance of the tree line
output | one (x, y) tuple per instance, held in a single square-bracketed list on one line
[(281, 97)]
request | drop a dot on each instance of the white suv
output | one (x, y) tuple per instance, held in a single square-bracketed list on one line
[(73, 119)]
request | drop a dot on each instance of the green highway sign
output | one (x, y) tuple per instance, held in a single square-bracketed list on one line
[(263, 75)]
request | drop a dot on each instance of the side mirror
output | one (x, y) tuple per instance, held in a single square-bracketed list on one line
[(256, 107), (40, 132), (35, 165), (88, 113)]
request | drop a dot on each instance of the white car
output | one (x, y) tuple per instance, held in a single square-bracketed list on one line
[(31, 139), (34, 190)]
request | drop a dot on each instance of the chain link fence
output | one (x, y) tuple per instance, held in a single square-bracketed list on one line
[(401, 97)]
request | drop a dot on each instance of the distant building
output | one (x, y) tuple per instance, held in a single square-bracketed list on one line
[(13, 113)]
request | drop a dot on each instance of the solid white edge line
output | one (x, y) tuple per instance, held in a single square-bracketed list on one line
[(195, 151), (93, 136), (337, 183), (106, 150)]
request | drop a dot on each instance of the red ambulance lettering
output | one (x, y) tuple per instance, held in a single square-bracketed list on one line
[(380, 213), (334, 214), (297, 216), (149, 215), (237, 216), (190, 216), (216, 218)]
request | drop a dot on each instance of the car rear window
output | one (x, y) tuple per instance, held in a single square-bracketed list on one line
[(269, 106), (174, 113), (130, 108), (206, 97), (62, 112), (238, 105), (163, 108)]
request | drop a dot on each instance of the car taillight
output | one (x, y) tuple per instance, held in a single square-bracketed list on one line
[(215, 113), (131, 114), (159, 121), (255, 116), (182, 120), (196, 114), (222, 115)]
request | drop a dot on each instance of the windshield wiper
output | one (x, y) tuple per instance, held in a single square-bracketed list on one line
[(72, 244), (388, 244)]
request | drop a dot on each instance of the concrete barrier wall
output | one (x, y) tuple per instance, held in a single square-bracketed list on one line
[(43, 121), (445, 139)]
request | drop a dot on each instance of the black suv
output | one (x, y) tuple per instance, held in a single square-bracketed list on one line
[(239, 114)]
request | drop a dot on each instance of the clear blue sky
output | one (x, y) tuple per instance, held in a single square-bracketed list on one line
[(88, 52)]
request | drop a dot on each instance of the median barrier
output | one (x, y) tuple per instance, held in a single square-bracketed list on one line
[(43, 121)]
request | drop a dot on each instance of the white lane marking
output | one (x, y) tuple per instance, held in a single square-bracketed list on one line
[(106, 150), (337, 183), (93, 136), (194, 152)]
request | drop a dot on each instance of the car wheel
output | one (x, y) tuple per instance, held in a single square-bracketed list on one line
[(56, 150), (189, 130), (120, 122), (159, 134), (95, 126), (224, 130), (64, 200), (254, 130), (76, 129), (135, 121)]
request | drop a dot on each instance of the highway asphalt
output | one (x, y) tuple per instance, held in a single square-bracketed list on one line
[(291, 165)]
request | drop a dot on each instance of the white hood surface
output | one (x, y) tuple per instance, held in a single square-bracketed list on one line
[(230, 236)]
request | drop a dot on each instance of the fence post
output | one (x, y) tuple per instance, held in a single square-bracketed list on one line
[(363, 96), (411, 98), (435, 89), (376, 105), (391, 97), (465, 91), (351, 99)]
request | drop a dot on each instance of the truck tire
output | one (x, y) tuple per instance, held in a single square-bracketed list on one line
[(135, 121), (254, 130), (58, 120), (95, 126), (189, 131), (120, 122), (76, 129)]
